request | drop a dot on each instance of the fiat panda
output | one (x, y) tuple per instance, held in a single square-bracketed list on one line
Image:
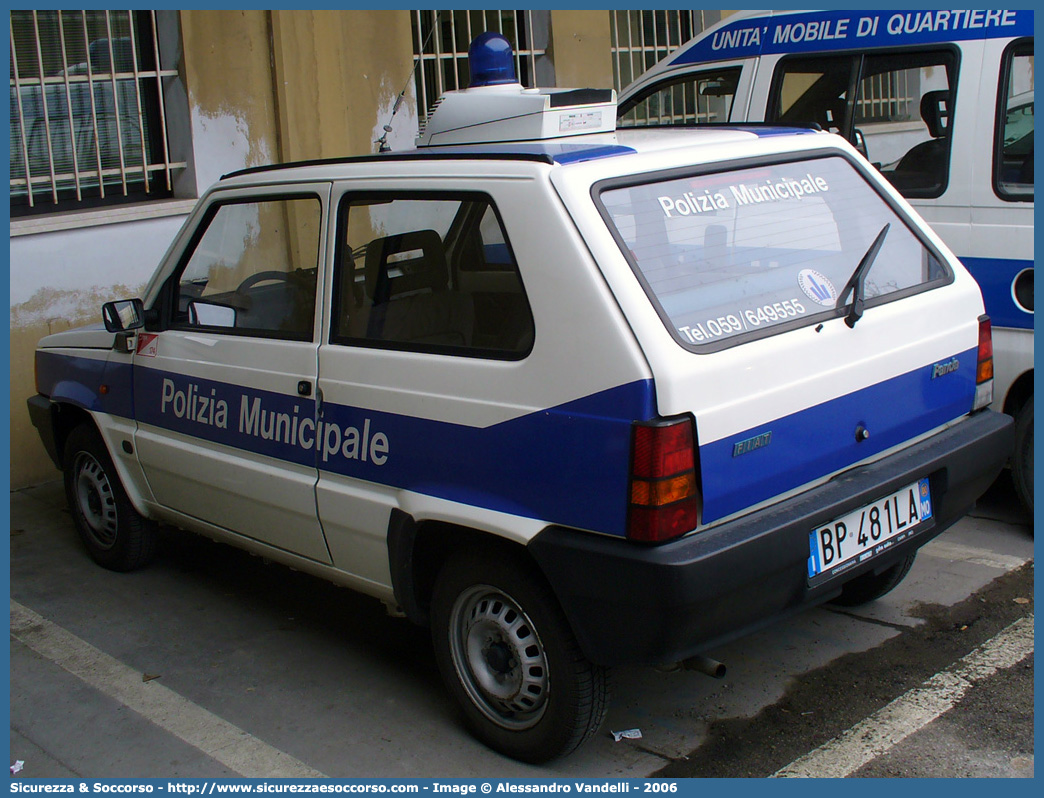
[(573, 398)]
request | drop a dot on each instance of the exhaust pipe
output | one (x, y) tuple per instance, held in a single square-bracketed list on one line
[(706, 665)]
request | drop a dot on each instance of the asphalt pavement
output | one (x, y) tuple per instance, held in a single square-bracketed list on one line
[(215, 663)]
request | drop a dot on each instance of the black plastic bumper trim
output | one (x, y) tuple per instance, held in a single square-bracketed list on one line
[(634, 604)]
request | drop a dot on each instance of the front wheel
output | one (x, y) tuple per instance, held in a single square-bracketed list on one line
[(112, 531), (509, 658)]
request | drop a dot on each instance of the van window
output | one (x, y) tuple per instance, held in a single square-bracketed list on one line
[(1013, 155), (429, 274), (741, 254), (897, 109), (697, 98)]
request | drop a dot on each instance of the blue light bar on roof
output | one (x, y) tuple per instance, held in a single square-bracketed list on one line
[(490, 60)]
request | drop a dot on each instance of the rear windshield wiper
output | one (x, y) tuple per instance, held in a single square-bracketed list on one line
[(856, 282)]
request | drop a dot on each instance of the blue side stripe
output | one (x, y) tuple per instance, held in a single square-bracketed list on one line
[(566, 464), (830, 31), (995, 277), (821, 439)]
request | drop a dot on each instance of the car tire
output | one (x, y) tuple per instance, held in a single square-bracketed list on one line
[(1022, 457), (115, 535), (511, 661), (870, 586)]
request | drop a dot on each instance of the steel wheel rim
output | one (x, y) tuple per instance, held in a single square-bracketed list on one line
[(499, 657), (95, 501)]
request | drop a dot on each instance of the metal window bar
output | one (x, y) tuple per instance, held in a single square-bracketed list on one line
[(69, 104), (885, 97), (36, 102), (441, 63)]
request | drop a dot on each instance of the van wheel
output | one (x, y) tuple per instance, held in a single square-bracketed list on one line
[(510, 660), (872, 586), (115, 535), (1022, 457)]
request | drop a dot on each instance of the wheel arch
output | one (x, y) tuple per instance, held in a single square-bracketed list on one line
[(65, 417), (1019, 393), (417, 552)]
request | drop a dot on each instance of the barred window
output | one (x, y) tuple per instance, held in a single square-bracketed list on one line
[(88, 111), (641, 39), (441, 40)]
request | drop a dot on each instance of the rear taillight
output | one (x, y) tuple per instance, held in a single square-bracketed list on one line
[(984, 368), (664, 499)]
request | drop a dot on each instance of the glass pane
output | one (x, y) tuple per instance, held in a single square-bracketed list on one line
[(430, 275), (254, 270), (1014, 163), (904, 109), (702, 98), (748, 250)]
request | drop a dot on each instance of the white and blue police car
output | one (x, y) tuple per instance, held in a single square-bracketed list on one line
[(574, 398), (940, 101)]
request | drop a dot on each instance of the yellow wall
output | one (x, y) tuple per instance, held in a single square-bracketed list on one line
[(580, 47)]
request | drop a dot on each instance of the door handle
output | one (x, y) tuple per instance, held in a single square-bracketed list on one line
[(304, 388)]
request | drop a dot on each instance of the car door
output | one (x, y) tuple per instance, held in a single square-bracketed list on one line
[(225, 391)]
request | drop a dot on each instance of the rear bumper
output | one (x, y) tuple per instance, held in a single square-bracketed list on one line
[(637, 604)]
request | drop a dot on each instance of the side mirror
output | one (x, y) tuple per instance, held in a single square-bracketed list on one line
[(123, 315)]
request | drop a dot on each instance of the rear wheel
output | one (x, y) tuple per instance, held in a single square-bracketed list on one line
[(509, 658), (1022, 457), (872, 585), (113, 532)]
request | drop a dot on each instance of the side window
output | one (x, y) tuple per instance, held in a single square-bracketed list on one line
[(702, 98), (429, 275), (1013, 153), (811, 91), (253, 270), (897, 109), (905, 113)]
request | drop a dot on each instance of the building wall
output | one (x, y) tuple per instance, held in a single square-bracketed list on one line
[(261, 87)]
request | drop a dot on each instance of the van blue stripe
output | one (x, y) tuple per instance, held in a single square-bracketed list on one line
[(996, 277), (830, 31), (822, 439)]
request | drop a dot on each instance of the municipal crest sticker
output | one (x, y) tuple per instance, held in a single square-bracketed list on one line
[(817, 287)]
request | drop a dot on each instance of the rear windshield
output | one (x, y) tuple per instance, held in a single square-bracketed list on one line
[(746, 253)]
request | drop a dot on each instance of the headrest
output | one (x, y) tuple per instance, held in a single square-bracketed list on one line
[(935, 111), (405, 262)]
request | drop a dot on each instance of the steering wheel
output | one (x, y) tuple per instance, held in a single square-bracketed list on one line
[(261, 277)]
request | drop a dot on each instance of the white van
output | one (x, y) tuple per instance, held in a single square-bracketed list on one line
[(940, 101), (573, 398)]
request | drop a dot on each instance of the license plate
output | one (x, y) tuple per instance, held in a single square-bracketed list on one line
[(869, 531)]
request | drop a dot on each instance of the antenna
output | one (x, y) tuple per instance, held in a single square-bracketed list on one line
[(383, 140)]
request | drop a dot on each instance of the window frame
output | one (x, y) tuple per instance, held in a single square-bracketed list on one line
[(670, 83), (168, 296), (855, 61), (1011, 52), (827, 314), (375, 196)]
